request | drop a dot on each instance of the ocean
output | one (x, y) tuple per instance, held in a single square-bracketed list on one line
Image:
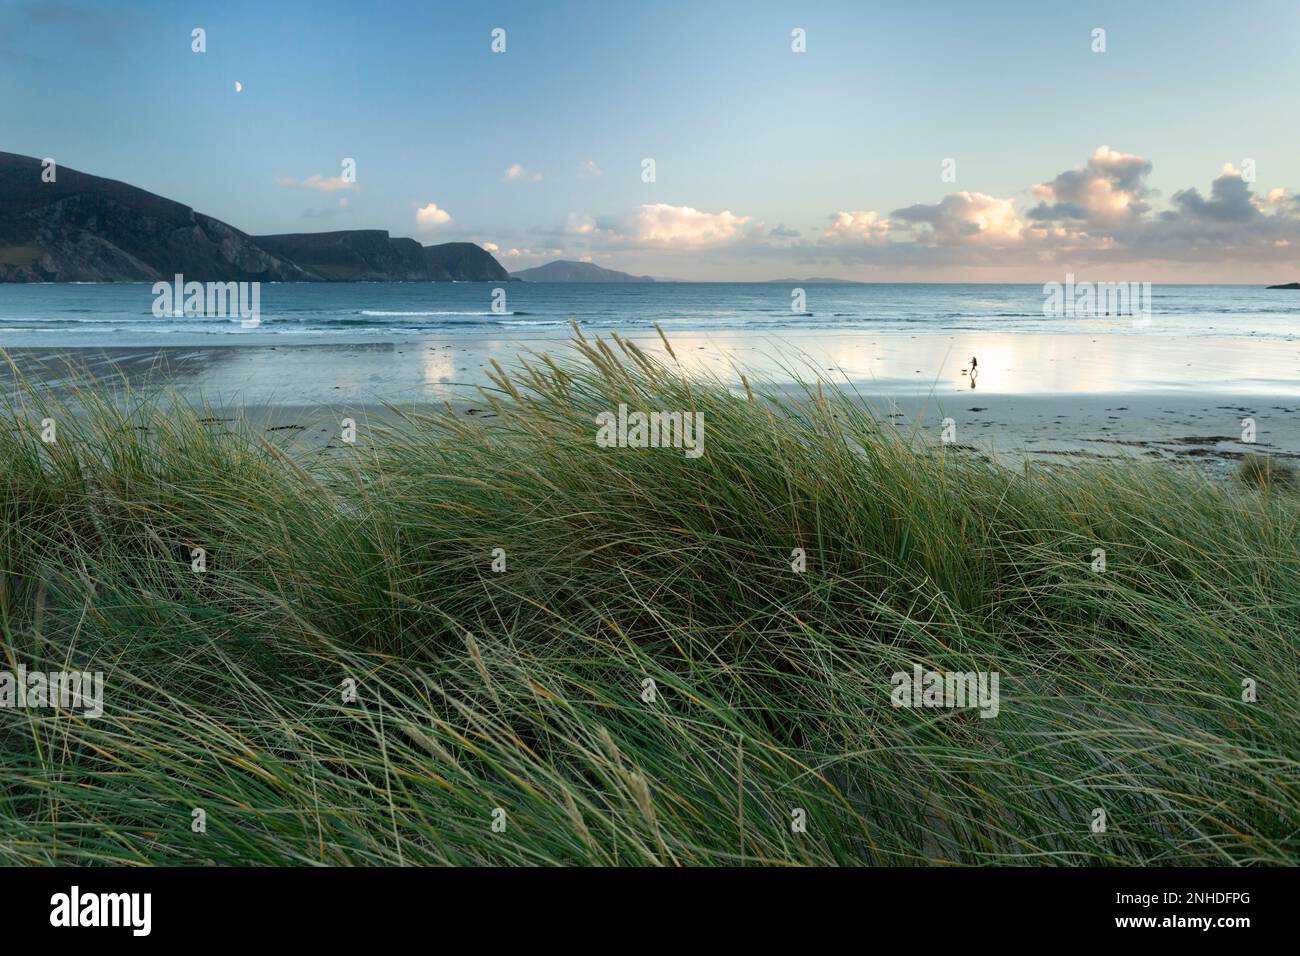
[(78, 315)]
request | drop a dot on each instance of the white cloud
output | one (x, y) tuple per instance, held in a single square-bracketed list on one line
[(430, 216), (528, 256), (587, 169), (491, 247), (665, 225), (516, 173)]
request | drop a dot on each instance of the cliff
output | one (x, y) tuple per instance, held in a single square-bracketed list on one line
[(83, 228)]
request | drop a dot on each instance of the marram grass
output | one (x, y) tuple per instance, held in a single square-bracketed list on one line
[(649, 682)]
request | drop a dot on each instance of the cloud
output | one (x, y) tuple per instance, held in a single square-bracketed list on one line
[(521, 257), (659, 224), (854, 227), (576, 225), (324, 184), (962, 218), (1230, 199), (431, 216), (1275, 199), (587, 169), (1101, 216), (491, 247), (661, 230), (38, 24), (1232, 224), (517, 173), (1109, 189)]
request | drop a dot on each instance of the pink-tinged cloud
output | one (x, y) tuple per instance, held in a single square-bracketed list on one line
[(324, 184), (1100, 214), (1108, 190), (963, 218), (861, 227)]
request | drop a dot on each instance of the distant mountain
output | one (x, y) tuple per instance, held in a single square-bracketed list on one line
[(83, 228), (564, 270), (816, 280), (1289, 285)]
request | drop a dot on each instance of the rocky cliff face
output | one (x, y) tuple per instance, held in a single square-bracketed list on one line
[(83, 228), (371, 255), (463, 260)]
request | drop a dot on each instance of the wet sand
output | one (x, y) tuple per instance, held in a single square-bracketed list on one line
[(1050, 397)]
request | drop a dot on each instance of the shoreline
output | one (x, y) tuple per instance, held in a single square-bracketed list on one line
[(1041, 396), (308, 390), (874, 361)]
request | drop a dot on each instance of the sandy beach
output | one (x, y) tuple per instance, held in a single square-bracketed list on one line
[(1052, 397)]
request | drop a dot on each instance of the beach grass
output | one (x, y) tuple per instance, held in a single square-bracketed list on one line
[(655, 678)]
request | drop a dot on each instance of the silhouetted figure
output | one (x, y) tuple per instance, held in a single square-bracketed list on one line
[(973, 375), (973, 364)]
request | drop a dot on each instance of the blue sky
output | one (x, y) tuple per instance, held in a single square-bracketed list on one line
[(768, 162)]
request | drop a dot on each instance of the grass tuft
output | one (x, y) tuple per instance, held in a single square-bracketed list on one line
[(1264, 473)]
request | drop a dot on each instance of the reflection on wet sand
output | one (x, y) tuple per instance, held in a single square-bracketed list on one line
[(1050, 397), (871, 362)]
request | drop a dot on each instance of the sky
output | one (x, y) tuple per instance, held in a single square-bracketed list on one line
[(917, 141)]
